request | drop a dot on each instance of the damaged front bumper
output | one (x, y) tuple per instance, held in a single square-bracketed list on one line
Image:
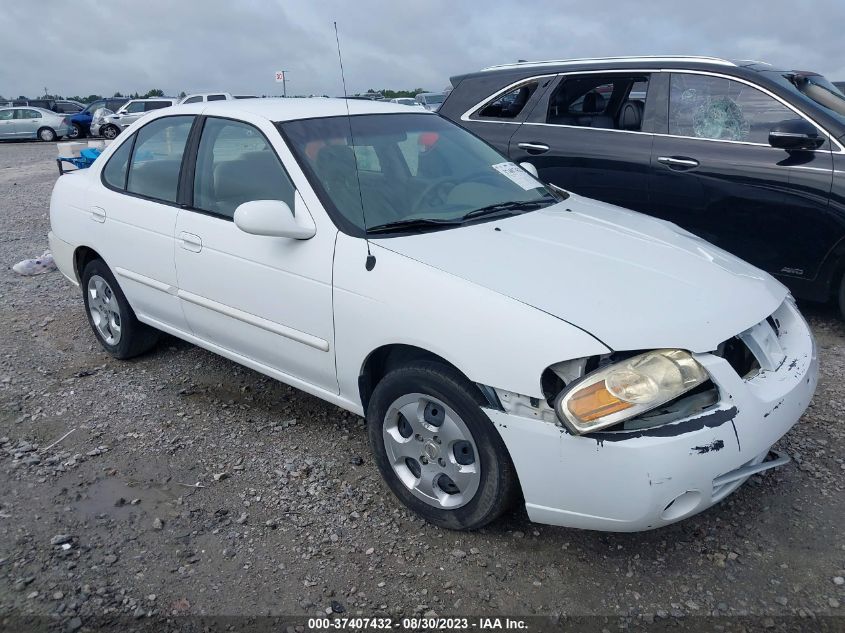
[(626, 481)]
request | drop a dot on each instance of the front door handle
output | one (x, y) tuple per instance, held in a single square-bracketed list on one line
[(98, 214), (190, 242), (678, 163), (534, 148)]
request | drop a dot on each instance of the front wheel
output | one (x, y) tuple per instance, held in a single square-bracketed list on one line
[(47, 134), (437, 449), (111, 317), (76, 131), (110, 132)]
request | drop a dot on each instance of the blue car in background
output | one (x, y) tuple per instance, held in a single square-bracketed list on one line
[(81, 121)]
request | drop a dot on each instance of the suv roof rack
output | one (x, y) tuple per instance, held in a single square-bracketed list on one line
[(599, 60)]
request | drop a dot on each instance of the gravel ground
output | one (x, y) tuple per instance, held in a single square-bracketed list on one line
[(191, 485)]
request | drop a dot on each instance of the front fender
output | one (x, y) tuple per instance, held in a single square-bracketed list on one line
[(491, 338)]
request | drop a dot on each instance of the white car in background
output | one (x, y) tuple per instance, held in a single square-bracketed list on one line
[(506, 341), (407, 101), (110, 124), (199, 97)]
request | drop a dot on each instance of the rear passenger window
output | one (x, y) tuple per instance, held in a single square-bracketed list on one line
[(510, 104), (235, 164), (156, 105), (114, 173), (715, 108), (193, 100), (600, 101), (157, 158), (135, 107), (216, 97)]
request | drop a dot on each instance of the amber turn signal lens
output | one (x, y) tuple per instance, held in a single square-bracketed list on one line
[(595, 402)]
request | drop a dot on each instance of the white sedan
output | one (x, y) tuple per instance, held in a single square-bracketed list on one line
[(505, 341)]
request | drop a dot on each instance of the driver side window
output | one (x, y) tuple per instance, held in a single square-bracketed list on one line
[(716, 108)]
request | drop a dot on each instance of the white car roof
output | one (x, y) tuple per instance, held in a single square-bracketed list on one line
[(280, 109)]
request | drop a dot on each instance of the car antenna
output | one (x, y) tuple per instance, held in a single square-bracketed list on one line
[(371, 259)]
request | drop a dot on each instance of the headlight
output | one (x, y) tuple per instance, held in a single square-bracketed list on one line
[(627, 389)]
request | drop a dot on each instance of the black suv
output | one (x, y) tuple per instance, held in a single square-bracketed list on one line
[(744, 155)]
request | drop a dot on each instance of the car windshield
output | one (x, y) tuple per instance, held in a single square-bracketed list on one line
[(93, 106), (414, 172)]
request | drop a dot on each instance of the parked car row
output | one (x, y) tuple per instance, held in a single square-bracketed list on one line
[(61, 107)]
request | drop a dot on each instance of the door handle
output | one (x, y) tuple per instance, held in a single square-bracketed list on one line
[(190, 242), (677, 163), (534, 148), (98, 214)]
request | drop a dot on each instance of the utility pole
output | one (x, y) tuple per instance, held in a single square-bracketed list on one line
[(285, 83)]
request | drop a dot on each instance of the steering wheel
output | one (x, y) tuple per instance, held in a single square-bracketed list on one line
[(436, 194)]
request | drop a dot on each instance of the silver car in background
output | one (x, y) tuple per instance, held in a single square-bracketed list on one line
[(28, 122), (431, 100), (110, 124)]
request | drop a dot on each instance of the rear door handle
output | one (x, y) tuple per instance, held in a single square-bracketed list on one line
[(98, 214), (534, 148), (678, 163), (190, 242)]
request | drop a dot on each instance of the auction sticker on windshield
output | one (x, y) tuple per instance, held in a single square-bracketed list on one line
[(518, 175)]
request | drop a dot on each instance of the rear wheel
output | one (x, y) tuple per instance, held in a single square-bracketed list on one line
[(110, 131), (111, 317), (437, 449), (47, 134), (76, 131)]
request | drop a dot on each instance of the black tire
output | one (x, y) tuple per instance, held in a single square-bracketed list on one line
[(498, 486), (109, 131), (135, 337), (46, 134), (76, 131), (840, 298)]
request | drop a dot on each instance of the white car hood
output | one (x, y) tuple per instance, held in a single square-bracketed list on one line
[(632, 281)]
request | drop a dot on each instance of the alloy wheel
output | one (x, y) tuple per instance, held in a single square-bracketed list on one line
[(104, 310)]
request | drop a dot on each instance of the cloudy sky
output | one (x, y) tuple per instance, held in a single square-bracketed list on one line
[(100, 46)]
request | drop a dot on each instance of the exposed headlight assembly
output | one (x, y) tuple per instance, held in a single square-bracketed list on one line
[(624, 390)]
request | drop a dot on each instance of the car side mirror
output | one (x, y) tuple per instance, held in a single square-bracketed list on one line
[(274, 218), (530, 169), (795, 134)]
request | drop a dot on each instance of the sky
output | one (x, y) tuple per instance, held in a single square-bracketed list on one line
[(102, 46)]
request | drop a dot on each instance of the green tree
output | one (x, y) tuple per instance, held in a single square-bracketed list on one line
[(182, 95), (117, 94), (155, 92)]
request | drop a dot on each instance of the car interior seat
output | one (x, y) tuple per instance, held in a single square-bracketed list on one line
[(631, 115), (252, 176)]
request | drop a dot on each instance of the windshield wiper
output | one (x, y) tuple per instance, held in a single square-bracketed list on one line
[(412, 224), (502, 207)]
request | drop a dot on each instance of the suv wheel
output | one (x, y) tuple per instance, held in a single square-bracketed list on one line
[(111, 317), (76, 131), (110, 132), (437, 449)]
